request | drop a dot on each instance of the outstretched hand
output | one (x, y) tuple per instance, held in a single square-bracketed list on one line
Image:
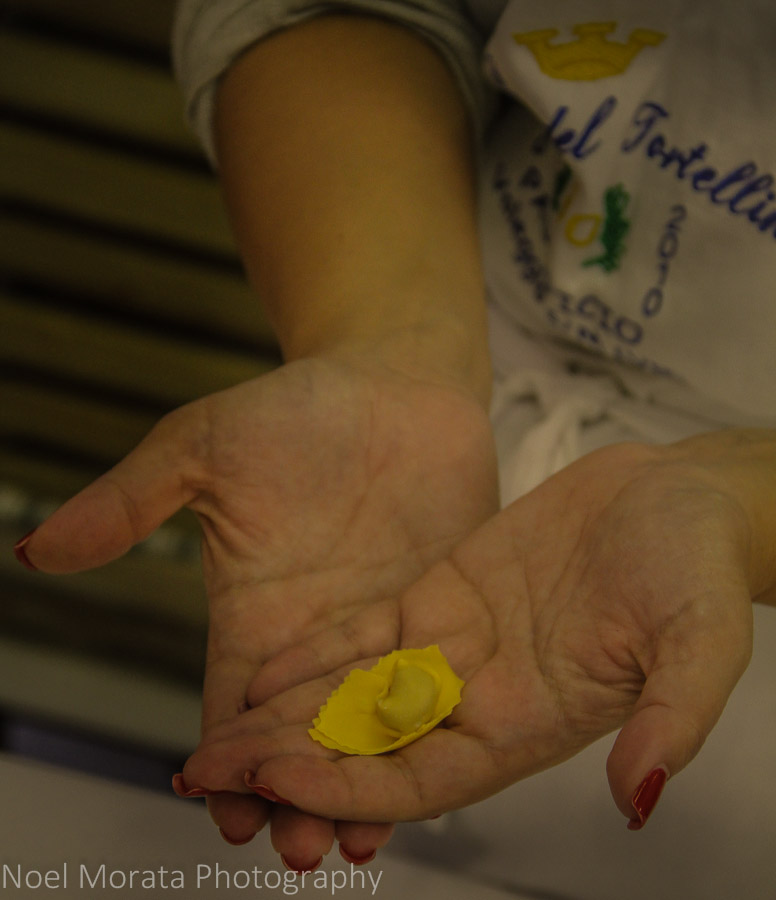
[(615, 595), (321, 488)]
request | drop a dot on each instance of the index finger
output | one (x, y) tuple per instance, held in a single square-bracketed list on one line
[(444, 770)]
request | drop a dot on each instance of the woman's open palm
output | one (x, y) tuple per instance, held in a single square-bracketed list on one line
[(613, 595), (321, 488)]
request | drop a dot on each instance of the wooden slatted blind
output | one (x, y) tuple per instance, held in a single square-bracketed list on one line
[(121, 297)]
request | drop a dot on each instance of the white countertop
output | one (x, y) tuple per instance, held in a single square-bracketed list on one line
[(67, 834)]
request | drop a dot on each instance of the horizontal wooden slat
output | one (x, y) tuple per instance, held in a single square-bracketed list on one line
[(120, 297), (159, 579), (138, 585), (146, 22), (75, 423), (72, 83), (137, 607), (47, 481), (133, 279), (108, 186), (140, 363)]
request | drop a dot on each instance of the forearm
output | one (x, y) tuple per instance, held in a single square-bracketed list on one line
[(346, 162)]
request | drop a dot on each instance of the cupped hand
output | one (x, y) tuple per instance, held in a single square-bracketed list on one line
[(615, 595), (321, 488)]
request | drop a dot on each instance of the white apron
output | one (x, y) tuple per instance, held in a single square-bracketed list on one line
[(629, 208)]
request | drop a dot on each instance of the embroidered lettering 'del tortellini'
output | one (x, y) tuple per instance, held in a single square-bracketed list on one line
[(398, 700)]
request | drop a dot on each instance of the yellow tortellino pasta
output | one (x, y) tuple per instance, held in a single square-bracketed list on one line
[(397, 701)]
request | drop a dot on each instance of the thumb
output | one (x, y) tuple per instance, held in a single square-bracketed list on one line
[(683, 697), (123, 506)]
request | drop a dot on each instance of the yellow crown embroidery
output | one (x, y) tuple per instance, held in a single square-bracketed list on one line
[(591, 56)]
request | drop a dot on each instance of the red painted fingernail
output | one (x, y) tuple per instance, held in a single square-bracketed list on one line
[(356, 860), (300, 869), (21, 553), (179, 786), (646, 796), (264, 790), (236, 842)]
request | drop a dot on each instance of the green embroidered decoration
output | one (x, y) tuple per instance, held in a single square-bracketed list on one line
[(616, 227)]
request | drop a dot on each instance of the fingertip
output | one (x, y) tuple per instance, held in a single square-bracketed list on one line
[(638, 771), (50, 553), (301, 839), (301, 868), (303, 782), (184, 790), (264, 790), (645, 797), (21, 551), (362, 860), (236, 841), (77, 536), (360, 841), (652, 739), (239, 818)]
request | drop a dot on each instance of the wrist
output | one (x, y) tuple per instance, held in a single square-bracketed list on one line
[(742, 466), (422, 341)]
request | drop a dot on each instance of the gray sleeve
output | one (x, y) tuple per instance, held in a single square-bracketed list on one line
[(209, 34)]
